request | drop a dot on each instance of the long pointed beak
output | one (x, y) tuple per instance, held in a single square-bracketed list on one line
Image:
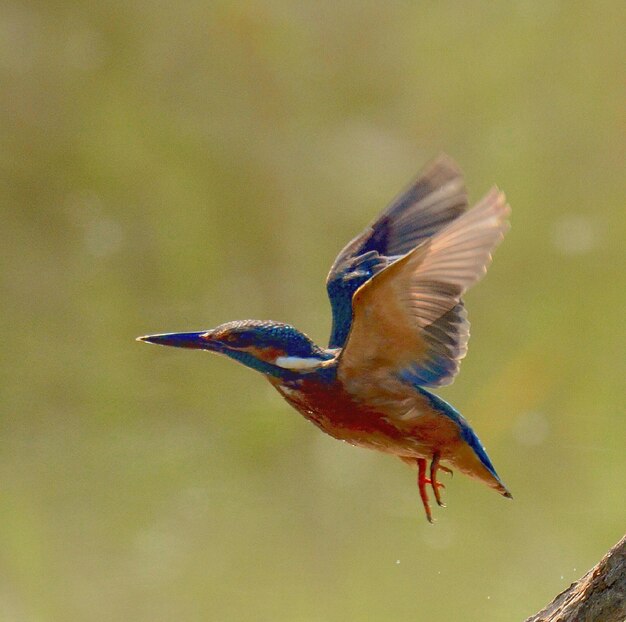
[(201, 340)]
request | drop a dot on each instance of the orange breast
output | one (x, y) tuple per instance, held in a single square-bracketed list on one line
[(334, 411), (408, 427)]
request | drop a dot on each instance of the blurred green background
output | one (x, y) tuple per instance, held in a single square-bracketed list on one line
[(173, 166)]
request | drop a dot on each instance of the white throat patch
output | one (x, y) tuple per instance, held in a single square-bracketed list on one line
[(296, 362)]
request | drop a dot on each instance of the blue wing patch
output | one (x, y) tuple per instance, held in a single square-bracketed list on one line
[(341, 288), (446, 341)]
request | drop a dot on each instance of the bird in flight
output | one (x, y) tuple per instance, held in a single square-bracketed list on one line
[(399, 325)]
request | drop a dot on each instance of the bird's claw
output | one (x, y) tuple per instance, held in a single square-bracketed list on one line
[(423, 481)]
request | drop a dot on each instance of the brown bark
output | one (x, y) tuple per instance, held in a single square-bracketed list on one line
[(600, 596)]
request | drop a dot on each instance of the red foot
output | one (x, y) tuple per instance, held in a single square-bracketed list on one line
[(421, 484), (423, 481), (434, 467)]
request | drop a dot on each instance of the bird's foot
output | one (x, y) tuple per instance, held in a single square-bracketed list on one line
[(423, 482), (434, 467)]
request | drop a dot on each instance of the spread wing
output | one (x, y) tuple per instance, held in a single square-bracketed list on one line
[(409, 319), (432, 201)]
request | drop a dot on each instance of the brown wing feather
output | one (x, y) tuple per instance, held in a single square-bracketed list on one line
[(407, 318), (428, 205)]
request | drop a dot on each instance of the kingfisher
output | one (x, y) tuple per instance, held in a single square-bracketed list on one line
[(399, 328)]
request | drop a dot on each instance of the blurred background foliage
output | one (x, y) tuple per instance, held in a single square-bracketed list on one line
[(172, 166)]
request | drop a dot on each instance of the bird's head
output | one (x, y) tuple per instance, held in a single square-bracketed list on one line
[(272, 348)]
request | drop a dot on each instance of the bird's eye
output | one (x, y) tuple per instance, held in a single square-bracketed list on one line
[(230, 338)]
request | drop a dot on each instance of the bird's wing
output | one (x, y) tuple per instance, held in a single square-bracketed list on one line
[(409, 319), (430, 203)]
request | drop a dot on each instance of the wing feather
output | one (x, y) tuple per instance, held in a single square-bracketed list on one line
[(410, 317), (430, 203)]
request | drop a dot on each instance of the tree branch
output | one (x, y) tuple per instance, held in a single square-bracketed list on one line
[(600, 596)]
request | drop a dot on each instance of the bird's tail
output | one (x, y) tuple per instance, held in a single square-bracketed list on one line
[(471, 458)]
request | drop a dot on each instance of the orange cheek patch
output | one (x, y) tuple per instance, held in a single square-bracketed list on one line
[(269, 354)]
